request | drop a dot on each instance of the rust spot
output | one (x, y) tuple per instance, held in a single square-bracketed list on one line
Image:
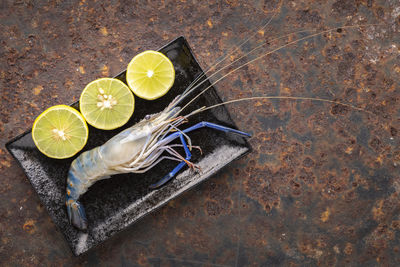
[(318, 123), (258, 104), (349, 150), (376, 144), (339, 110), (325, 215), (104, 70), (267, 208), (336, 249), (271, 141), (5, 240), (393, 131), (143, 259), (348, 249), (296, 189), (82, 70), (104, 31), (37, 89), (350, 196), (292, 81), (308, 162), (332, 53), (396, 224), (307, 16), (212, 208), (377, 210), (34, 24), (6, 163), (209, 23), (286, 90), (29, 226), (334, 183), (189, 212), (379, 159), (68, 84), (309, 247), (179, 233)]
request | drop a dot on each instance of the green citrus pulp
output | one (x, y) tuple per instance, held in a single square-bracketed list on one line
[(107, 103), (150, 75), (60, 132)]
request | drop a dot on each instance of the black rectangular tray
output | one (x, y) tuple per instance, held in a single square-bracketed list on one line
[(114, 204)]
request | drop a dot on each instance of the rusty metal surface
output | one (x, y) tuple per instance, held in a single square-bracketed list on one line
[(322, 184)]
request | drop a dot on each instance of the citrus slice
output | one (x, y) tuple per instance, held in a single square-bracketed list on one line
[(60, 132), (150, 75), (107, 103)]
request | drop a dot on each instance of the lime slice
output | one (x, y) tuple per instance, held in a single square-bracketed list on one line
[(150, 75), (60, 132), (107, 103)]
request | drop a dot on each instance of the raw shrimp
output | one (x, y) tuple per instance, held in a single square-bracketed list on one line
[(134, 150)]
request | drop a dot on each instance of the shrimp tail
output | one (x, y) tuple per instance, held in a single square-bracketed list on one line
[(76, 214), (76, 186)]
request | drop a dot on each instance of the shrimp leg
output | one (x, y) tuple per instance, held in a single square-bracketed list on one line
[(179, 134), (171, 174)]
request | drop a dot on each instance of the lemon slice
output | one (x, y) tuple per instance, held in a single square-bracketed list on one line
[(150, 75), (60, 132), (107, 103)]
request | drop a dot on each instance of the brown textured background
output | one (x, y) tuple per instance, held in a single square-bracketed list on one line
[(323, 182)]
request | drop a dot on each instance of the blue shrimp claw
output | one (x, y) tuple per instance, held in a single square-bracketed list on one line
[(76, 214), (179, 134)]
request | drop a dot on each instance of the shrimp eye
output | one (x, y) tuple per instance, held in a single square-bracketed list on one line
[(147, 117)]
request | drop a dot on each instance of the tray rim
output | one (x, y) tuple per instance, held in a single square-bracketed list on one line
[(75, 252)]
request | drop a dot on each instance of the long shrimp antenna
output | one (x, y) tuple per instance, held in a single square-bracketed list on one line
[(300, 98), (270, 52), (189, 90), (234, 49)]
